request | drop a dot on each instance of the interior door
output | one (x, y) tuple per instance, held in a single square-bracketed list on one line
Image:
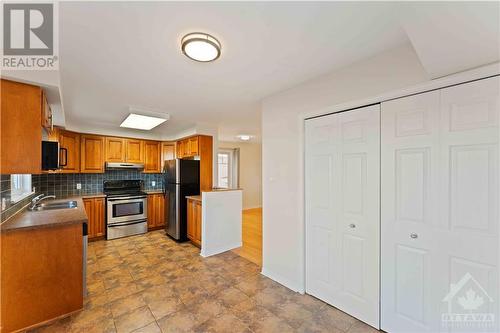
[(439, 168), (342, 211)]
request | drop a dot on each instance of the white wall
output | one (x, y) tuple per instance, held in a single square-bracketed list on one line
[(250, 171), (282, 130)]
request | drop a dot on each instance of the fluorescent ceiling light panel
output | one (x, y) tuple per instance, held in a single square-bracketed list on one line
[(141, 122)]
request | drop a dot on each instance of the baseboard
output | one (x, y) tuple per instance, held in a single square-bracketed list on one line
[(219, 250), (283, 281)]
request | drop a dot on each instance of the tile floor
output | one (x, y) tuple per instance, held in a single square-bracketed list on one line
[(150, 283)]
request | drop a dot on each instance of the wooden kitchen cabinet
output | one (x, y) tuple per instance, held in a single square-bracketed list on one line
[(69, 144), (194, 221), (192, 144), (92, 154), (95, 209), (188, 147), (134, 151), (152, 155), (114, 149), (47, 118), (201, 146), (20, 128), (156, 211), (167, 152)]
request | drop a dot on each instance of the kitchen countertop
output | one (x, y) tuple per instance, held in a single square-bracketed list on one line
[(154, 191), (26, 220), (194, 197)]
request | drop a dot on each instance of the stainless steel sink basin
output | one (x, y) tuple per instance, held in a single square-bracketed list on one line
[(56, 205)]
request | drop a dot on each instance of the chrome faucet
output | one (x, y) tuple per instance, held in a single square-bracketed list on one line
[(39, 198)]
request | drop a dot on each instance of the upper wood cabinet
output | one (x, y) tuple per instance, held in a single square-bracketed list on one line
[(69, 144), (92, 154), (21, 130), (115, 149), (202, 146), (167, 152), (47, 119), (188, 147), (152, 152), (134, 151)]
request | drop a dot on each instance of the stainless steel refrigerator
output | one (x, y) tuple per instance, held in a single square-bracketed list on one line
[(181, 179)]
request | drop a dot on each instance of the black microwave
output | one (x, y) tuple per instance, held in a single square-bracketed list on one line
[(50, 155)]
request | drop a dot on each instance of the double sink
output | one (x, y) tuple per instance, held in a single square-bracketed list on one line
[(55, 205)]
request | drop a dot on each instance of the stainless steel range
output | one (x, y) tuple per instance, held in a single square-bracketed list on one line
[(126, 208)]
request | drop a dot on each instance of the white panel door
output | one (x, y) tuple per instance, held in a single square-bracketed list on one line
[(440, 222), (342, 211)]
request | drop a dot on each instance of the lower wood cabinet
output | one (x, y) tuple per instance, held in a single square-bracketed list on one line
[(194, 221), (95, 209), (156, 210)]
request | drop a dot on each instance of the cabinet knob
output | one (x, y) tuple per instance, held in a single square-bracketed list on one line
[(413, 235)]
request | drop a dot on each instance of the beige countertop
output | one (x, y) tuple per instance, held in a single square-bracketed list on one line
[(26, 220), (154, 191)]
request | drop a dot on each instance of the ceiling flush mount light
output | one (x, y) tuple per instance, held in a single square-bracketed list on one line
[(200, 46), (141, 122), (244, 137)]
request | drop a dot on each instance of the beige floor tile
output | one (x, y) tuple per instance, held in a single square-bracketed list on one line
[(133, 320), (226, 323), (180, 321), (163, 307), (122, 291), (151, 328), (360, 327), (232, 296), (126, 304), (332, 317)]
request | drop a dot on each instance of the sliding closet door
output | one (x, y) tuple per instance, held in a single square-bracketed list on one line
[(440, 222), (342, 211)]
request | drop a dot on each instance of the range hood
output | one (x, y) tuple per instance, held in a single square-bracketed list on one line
[(115, 166)]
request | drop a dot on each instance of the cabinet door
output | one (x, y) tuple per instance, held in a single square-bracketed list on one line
[(134, 151), (197, 224), (46, 113), (69, 142), (160, 210), (191, 222), (193, 146), (151, 157), (99, 217), (180, 149), (115, 149), (167, 152), (92, 154), (151, 211), (20, 132), (94, 207)]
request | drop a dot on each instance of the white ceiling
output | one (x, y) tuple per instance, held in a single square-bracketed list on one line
[(116, 54)]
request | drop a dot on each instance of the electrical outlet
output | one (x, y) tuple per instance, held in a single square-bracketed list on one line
[(78, 186), (4, 203), (153, 183)]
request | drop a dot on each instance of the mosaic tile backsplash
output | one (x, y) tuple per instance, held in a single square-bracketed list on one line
[(64, 185)]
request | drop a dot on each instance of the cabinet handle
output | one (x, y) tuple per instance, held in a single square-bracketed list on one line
[(352, 226), (413, 235), (65, 157)]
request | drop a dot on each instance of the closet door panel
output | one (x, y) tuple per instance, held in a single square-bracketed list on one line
[(342, 211), (439, 205)]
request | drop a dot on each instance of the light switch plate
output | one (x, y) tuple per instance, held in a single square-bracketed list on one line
[(78, 186), (153, 183)]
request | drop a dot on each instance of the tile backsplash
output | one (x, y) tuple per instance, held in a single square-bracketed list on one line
[(65, 185)]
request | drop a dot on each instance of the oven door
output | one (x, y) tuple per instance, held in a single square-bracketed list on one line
[(126, 209)]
